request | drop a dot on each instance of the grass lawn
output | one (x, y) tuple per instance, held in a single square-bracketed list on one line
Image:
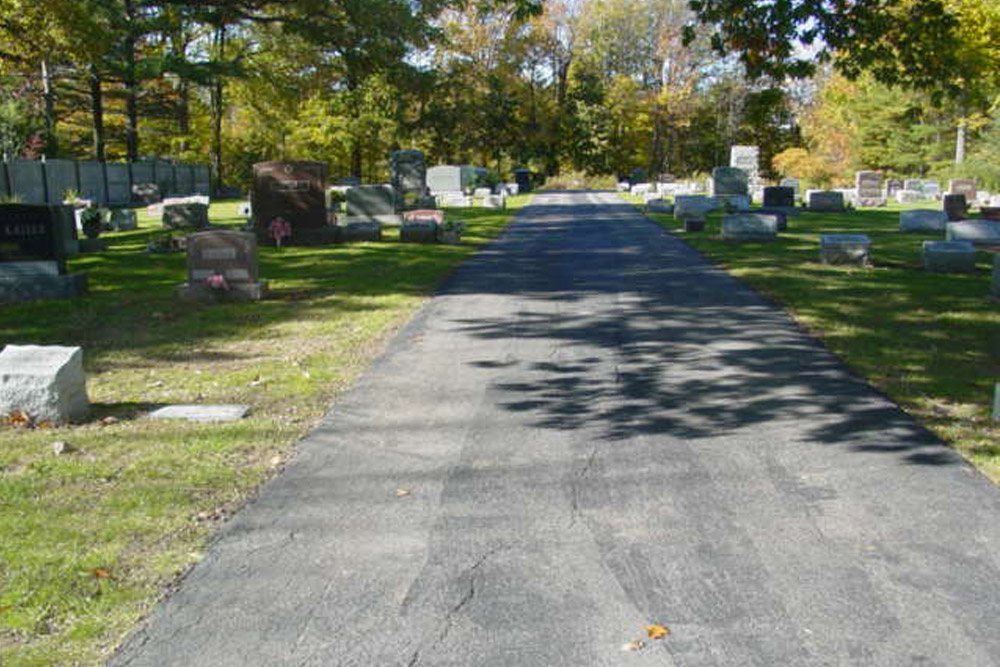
[(90, 539), (930, 341)]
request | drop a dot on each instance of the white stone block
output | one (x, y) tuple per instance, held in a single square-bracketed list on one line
[(46, 383), (949, 256), (977, 232), (749, 227)]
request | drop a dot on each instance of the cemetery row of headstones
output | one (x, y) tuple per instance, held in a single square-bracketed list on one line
[(104, 183)]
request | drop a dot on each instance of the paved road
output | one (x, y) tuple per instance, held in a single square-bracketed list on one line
[(600, 431)]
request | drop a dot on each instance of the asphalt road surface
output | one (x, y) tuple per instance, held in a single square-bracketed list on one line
[(598, 431)]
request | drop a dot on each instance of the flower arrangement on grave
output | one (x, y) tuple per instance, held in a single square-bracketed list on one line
[(90, 222), (217, 282), (280, 229)]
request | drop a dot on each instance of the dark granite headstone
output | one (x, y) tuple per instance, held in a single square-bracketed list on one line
[(61, 178), (779, 197), (523, 179), (34, 243), (956, 207), (296, 192)]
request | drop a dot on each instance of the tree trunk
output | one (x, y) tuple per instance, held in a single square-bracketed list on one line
[(184, 112), (97, 113), (217, 109), (131, 90), (51, 145)]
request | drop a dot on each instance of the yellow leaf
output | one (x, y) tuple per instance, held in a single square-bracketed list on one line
[(656, 631), (101, 573)]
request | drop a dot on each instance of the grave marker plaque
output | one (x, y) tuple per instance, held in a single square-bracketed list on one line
[(34, 242), (746, 158), (729, 181), (296, 192)]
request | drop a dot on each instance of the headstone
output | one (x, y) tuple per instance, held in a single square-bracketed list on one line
[(694, 207), (845, 249), (780, 214), (956, 207), (949, 256), (792, 183), (623, 186), (729, 181), (910, 196), (61, 179), (201, 176), (779, 197), (245, 209), (747, 159), (494, 201), (479, 193), (641, 188), (922, 220), (511, 188), (977, 232), (523, 179), (990, 212), (227, 253), (122, 220), (46, 383), (202, 412), (142, 175), (749, 227), (932, 189), (892, 186), (447, 178), (421, 226), (825, 202), (869, 188), (963, 186), (913, 184), (34, 242), (372, 203), (361, 231), (659, 206), (734, 203), (119, 186), (146, 193), (93, 185), (409, 174), (187, 215), (453, 200), (27, 181), (296, 192)]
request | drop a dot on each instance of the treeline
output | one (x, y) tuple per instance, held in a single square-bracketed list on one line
[(591, 86)]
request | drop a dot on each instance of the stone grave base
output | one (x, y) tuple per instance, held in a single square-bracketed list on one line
[(328, 235), (355, 232), (386, 220), (14, 289), (780, 213), (413, 233), (749, 227), (694, 225), (238, 292), (202, 412), (93, 245)]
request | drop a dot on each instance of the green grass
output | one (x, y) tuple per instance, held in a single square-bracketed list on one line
[(930, 341), (139, 498)]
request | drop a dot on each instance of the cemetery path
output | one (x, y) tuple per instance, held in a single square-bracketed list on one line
[(590, 429)]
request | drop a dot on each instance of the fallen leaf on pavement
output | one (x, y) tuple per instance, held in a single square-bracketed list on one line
[(637, 645), (400, 493), (657, 631)]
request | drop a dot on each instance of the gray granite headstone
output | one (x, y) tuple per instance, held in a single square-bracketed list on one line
[(746, 158), (963, 186), (949, 256), (226, 252), (371, 201), (27, 180), (749, 227), (977, 232), (187, 215), (61, 178), (846, 249), (446, 178), (826, 201), (729, 181), (694, 207), (922, 220), (92, 183)]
